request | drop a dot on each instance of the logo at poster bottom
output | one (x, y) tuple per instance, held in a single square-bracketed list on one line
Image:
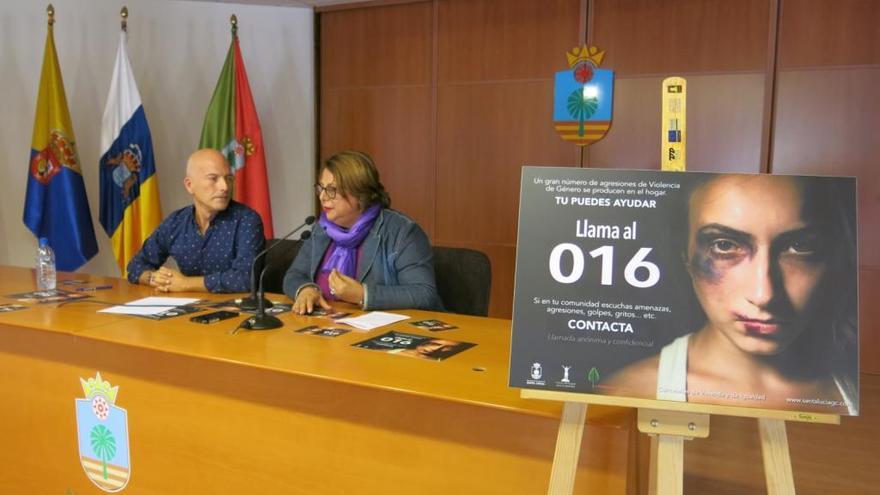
[(536, 372), (102, 433), (565, 381)]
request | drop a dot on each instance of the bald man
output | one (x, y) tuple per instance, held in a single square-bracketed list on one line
[(214, 241)]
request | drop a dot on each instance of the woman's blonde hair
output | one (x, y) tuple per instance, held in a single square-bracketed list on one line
[(356, 175)]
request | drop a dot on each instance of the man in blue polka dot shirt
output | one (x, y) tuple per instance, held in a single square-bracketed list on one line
[(214, 241)]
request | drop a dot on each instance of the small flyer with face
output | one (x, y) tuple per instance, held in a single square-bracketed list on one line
[(234, 305), (173, 312), (338, 315), (47, 296), (78, 285), (9, 308), (417, 346), (332, 332), (433, 325)]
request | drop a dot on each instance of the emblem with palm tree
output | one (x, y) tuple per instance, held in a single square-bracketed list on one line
[(103, 444), (582, 102)]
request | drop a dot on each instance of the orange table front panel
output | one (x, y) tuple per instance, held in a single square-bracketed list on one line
[(281, 412)]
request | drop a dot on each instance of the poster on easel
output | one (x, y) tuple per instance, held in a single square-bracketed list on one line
[(728, 289)]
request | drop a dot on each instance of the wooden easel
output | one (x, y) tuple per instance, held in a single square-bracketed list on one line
[(669, 424)]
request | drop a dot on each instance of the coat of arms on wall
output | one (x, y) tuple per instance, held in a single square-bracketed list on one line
[(583, 97)]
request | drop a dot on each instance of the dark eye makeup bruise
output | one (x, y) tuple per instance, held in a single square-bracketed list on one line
[(702, 266), (715, 245)]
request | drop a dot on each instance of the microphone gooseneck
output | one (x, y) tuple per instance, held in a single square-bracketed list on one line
[(260, 320), (250, 303)]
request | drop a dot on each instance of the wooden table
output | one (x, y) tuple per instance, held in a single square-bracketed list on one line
[(280, 412)]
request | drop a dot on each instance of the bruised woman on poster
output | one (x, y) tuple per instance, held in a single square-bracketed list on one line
[(772, 265)]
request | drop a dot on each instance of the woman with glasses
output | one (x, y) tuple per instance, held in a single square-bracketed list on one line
[(361, 251)]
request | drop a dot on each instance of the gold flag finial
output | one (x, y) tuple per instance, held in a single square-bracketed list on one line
[(50, 11), (234, 21), (124, 14)]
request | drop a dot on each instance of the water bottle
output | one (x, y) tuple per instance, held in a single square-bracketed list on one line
[(45, 266)]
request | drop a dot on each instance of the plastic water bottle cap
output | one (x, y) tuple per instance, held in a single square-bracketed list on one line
[(44, 242)]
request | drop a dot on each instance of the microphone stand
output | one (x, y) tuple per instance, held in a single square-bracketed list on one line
[(261, 320), (251, 302)]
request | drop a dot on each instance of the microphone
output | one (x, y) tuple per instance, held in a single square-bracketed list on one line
[(251, 302), (260, 320)]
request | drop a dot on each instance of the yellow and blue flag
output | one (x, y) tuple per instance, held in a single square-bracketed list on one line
[(55, 205), (129, 187)]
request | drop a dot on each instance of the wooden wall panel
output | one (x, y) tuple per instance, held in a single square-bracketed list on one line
[(393, 125), (511, 39), (829, 32), (869, 319), (826, 124), (376, 46), (375, 96), (486, 133), (724, 124), (673, 36), (496, 61), (826, 459), (634, 138)]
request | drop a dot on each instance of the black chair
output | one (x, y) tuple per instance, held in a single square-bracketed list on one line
[(278, 260), (464, 280)]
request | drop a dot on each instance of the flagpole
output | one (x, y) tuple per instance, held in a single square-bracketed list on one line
[(50, 10), (124, 14), (234, 21)]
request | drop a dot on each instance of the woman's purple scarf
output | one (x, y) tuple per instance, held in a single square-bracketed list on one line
[(347, 241)]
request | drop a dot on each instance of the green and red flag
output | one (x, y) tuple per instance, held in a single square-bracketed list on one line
[(232, 127)]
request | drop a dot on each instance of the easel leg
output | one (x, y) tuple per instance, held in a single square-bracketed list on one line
[(652, 466), (777, 459), (670, 464), (568, 448), (670, 429)]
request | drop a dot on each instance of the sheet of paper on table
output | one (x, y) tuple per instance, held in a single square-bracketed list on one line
[(149, 305), (372, 320)]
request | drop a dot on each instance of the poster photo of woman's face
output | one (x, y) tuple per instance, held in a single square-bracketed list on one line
[(714, 288), (756, 259)]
